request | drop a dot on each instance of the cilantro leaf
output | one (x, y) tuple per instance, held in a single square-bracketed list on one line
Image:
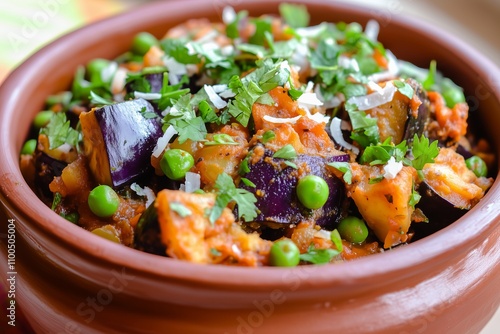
[(182, 117), (286, 152), (414, 197), (267, 136), (59, 131), (250, 88), (319, 256), (232, 28), (336, 239), (262, 25), (180, 209), (221, 139), (99, 100), (381, 153), (248, 183), (404, 88), (430, 79), (423, 152), (226, 193), (176, 48), (365, 128), (296, 16), (343, 167)]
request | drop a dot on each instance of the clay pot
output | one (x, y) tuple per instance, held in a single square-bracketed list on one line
[(71, 281)]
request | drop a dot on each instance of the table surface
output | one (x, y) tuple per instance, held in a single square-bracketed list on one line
[(27, 25)]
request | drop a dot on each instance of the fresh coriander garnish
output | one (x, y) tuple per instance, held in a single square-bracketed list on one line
[(59, 131), (286, 152), (319, 256), (365, 129), (180, 209), (343, 167), (221, 139), (267, 136), (404, 88), (423, 152), (226, 193)]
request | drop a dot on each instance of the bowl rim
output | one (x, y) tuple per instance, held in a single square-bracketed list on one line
[(361, 271)]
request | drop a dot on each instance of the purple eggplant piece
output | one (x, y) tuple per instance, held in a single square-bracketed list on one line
[(46, 168), (128, 138), (416, 126), (464, 152), (276, 190), (437, 209)]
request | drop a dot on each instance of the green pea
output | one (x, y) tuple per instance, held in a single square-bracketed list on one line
[(284, 253), (29, 147), (42, 119), (103, 201), (142, 42), (477, 165), (312, 191), (107, 232), (451, 93), (95, 68), (353, 229), (175, 163)]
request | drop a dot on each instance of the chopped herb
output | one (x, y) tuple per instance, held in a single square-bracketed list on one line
[(248, 183), (375, 180), (262, 25), (215, 252), (148, 114), (286, 152), (221, 139), (296, 16), (268, 136), (430, 80), (365, 128), (98, 100), (319, 256), (250, 88), (207, 113), (243, 169), (404, 88), (336, 239), (59, 131), (56, 201), (232, 28), (182, 117), (414, 198), (226, 193), (423, 152), (381, 153), (176, 48), (291, 164), (180, 209), (343, 167)]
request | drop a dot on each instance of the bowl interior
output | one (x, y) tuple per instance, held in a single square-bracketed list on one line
[(52, 69)]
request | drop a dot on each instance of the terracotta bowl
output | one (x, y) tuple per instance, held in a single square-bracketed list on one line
[(71, 281)]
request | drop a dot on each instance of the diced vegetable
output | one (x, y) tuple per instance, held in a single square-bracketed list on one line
[(402, 118), (384, 205), (275, 189), (118, 157)]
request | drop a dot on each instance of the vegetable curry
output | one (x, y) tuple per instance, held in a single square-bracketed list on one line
[(258, 141)]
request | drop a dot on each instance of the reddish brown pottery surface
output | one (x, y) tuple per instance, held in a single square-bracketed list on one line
[(70, 281)]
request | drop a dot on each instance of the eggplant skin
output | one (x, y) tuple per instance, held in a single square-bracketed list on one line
[(416, 125), (46, 169), (119, 140), (276, 190), (439, 212)]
